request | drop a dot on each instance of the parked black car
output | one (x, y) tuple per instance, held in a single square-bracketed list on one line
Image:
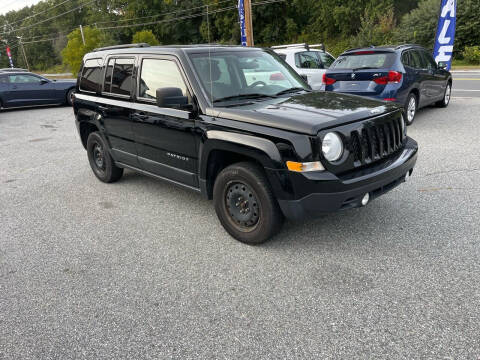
[(262, 149), (20, 88), (404, 74)]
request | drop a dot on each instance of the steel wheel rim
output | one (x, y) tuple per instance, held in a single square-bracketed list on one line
[(412, 107), (242, 206), (448, 92), (72, 94), (98, 156)]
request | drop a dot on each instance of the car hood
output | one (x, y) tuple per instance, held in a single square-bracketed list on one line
[(306, 113)]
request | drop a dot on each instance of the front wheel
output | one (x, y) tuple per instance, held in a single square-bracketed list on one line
[(411, 108), (245, 204), (446, 97), (100, 159)]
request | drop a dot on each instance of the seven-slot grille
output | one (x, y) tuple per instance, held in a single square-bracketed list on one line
[(376, 142)]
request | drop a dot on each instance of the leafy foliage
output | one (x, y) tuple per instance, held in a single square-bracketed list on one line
[(75, 49), (339, 24), (471, 54), (145, 36)]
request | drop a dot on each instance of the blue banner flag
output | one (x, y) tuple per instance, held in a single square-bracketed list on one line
[(241, 15), (445, 32)]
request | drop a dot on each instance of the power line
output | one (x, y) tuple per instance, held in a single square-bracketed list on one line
[(163, 14), (42, 12), (53, 17), (185, 17)]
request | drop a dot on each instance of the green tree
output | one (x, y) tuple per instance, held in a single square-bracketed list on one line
[(145, 36), (75, 50)]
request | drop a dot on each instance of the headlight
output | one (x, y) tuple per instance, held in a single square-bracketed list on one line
[(332, 147)]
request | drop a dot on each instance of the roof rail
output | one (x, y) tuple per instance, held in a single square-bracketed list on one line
[(405, 45), (363, 47), (302, 46), (124, 46)]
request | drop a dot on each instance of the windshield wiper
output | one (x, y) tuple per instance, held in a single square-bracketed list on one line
[(243, 96), (294, 89)]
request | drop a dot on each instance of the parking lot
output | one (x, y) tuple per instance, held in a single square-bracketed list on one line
[(143, 269)]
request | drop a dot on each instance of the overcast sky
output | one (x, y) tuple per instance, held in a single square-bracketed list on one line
[(7, 5)]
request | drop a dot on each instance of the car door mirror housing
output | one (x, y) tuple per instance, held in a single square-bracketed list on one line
[(171, 97), (44, 81), (442, 65)]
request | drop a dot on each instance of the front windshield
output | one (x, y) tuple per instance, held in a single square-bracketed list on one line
[(230, 75)]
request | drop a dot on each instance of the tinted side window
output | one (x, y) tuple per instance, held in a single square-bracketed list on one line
[(108, 76), (24, 79), (91, 75), (122, 81), (406, 58), (157, 74), (431, 64), (416, 60), (4, 80)]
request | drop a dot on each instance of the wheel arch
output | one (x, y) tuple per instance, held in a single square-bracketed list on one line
[(222, 149), (85, 129)]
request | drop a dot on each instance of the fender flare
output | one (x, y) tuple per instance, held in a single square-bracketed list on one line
[(260, 149)]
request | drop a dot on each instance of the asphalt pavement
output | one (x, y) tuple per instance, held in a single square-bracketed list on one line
[(466, 83), (141, 269)]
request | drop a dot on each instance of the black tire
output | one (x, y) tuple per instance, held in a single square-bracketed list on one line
[(100, 159), (243, 186), (408, 114), (446, 97), (70, 94)]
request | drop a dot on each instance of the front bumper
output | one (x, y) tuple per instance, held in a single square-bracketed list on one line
[(323, 192)]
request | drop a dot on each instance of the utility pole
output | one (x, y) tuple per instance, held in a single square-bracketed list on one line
[(23, 50), (83, 37), (248, 22)]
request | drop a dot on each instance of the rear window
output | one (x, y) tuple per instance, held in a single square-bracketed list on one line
[(375, 60), (91, 75)]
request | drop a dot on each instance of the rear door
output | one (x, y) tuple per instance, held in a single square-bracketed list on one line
[(115, 105), (355, 72)]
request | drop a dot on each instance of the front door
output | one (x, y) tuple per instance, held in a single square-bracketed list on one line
[(437, 81), (28, 90), (164, 137)]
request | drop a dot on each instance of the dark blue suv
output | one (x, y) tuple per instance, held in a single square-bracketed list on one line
[(405, 74)]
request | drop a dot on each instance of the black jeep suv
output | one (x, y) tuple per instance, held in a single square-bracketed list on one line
[(240, 126)]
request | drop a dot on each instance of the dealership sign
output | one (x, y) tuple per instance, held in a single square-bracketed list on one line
[(241, 15), (445, 32)]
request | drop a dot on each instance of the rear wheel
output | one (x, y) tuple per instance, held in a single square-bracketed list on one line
[(245, 204), (100, 160), (411, 107), (446, 97), (70, 95)]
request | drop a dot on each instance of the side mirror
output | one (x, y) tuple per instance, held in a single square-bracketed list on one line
[(171, 97), (442, 65), (44, 81)]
